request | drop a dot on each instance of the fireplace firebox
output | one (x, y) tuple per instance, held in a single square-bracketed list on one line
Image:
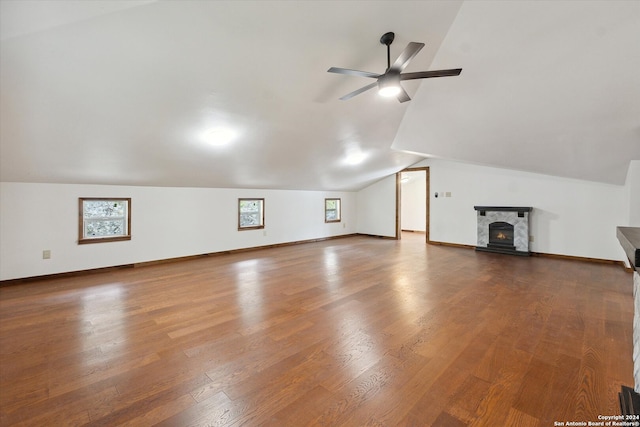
[(501, 235)]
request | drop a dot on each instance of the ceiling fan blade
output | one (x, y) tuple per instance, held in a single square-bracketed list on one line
[(353, 72), (407, 55), (403, 96), (359, 91), (428, 74)]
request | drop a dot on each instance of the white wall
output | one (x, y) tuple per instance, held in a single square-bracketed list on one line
[(570, 217), (633, 186), (166, 223), (413, 211), (377, 208)]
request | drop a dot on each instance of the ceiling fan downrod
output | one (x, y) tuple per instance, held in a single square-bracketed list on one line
[(387, 39)]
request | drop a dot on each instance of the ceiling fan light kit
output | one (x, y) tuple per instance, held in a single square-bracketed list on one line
[(389, 82)]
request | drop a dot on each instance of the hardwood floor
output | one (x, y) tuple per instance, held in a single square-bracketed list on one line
[(356, 332)]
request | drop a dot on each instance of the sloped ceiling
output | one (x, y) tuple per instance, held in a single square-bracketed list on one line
[(122, 92), (548, 87)]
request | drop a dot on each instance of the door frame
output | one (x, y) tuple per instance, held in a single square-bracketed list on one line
[(399, 200)]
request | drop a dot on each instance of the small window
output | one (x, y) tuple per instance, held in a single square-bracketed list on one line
[(332, 210), (250, 214), (104, 220)]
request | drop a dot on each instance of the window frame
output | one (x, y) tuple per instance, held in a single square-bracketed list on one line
[(262, 208), (338, 210), (82, 239)]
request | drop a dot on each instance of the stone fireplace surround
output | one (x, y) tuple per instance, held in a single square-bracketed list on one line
[(629, 238), (518, 217)]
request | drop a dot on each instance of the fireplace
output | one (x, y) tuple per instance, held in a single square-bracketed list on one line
[(503, 229)]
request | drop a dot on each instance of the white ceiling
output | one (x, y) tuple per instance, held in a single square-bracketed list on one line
[(112, 92)]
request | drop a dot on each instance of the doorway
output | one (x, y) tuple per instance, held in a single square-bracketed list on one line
[(412, 201)]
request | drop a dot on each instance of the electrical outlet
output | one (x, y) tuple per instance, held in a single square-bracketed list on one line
[(344, 225), (447, 194), (46, 254), (531, 238), (264, 232)]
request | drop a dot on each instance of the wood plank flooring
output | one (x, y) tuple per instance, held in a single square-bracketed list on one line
[(357, 331)]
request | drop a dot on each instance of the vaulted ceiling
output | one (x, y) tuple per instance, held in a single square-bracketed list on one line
[(106, 92)]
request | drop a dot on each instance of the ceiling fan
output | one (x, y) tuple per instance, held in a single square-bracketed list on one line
[(389, 82)]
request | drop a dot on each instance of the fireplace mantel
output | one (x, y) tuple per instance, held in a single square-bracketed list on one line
[(518, 209), (629, 238)]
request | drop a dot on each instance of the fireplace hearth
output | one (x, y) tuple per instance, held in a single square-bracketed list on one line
[(503, 229)]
